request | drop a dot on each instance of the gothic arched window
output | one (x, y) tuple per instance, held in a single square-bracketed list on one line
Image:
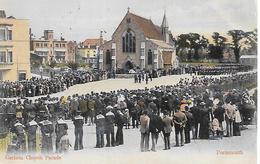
[(108, 57), (150, 57), (128, 41)]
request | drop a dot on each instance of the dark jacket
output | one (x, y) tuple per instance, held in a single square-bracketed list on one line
[(100, 124), (110, 119), (156, 123)]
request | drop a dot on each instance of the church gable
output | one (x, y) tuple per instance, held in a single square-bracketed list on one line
[(147, 27)]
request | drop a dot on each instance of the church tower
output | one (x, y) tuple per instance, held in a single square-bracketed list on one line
[(165, 29)]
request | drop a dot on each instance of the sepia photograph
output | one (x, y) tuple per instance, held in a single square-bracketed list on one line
[(128, 81)]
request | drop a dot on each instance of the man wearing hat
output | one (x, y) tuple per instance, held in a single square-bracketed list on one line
[(78, 122), (167, 129), (61, 128), (188, 125), (110, 119), (119, 121), (46, 130), (31, 128), (74, 105)]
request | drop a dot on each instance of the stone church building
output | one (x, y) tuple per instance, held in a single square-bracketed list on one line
[(138, 43)]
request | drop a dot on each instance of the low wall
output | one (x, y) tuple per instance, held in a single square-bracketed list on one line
[(125, 76)]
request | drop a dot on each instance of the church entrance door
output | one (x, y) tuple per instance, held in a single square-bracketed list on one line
[(129, 65)]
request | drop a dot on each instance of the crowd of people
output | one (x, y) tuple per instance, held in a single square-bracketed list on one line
[(39, 86), (199, 105), (222, 69)]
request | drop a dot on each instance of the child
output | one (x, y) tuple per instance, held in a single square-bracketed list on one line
[(127, 117), (64, 143)]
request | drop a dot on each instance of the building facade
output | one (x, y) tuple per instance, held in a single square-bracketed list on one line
[(51, 49), (88, 51), (72, 50), (14, 48), (138, 43)]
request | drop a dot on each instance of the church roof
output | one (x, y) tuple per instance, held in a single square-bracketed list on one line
[(146, 25), (161, 43)]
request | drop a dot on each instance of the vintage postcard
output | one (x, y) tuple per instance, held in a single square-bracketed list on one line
[(128, 81)]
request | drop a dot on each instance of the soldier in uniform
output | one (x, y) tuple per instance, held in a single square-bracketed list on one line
[(110, 119), (100, 130), (144, 129), (188, 125), (78, 122), (91, 110), (31, 133), (20, 133), (179, 125), (167, 129), (46, 130), (61, 128), (155, 127), (74, 105)]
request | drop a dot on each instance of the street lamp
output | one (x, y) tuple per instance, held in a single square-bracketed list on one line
[(41, 70)]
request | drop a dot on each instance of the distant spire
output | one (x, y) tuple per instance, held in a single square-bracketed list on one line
[(164, 22), (128, 9)]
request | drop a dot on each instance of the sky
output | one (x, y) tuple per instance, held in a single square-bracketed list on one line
[(81, 19)]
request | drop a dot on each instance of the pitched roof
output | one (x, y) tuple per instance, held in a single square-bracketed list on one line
[(146, 25), (91, 42), (161, 44)]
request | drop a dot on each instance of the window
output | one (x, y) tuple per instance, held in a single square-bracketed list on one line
[(37, 44), (108, 57), (63, 45), (150, 57), (9, 35), (56, 45), (9, 57), (2, 56), (50, 45), (5, 33), (45, 45), (1, 75), (128, 41), (2, 34), (41, 44), (142, 51), (22, 76)]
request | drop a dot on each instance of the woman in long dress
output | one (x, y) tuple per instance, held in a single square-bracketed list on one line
[(236, 128), (204, 123)]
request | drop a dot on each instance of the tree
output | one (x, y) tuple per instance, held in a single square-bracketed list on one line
[(251, 41), (73, 65), (197, 42), (181, 42), (216, 50), (237, 36)]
